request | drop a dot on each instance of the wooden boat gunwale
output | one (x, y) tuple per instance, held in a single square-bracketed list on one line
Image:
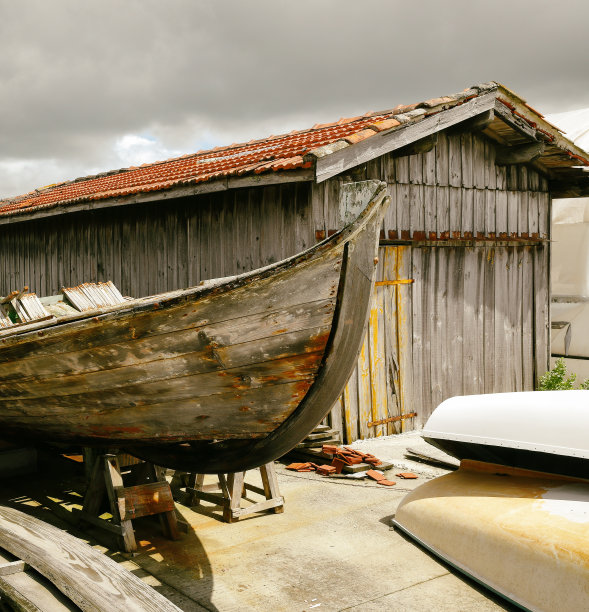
[(227, 455), (206, 288)]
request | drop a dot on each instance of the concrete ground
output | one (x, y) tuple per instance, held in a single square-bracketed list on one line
[(333, 548)]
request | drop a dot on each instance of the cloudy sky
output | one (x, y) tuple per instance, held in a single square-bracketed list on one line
[(91, 85)]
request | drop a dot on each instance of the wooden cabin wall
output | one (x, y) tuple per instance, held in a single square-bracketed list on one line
[(469, 233), (151, 248), (476, 318)]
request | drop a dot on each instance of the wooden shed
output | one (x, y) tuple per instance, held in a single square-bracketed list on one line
[(462, 300)]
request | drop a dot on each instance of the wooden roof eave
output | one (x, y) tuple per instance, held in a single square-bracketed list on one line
[(387, 141), (499, 114), (224, 184)]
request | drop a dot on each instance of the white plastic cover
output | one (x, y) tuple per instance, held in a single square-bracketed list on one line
[(554, 422), (570, 259), (575, 125)]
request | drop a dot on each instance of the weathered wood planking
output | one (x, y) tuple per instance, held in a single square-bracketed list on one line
[(453, 190), (440, 191), (140, 355), (108, 380), (375, 391), (91, 580), (258, 357), (150, 249)]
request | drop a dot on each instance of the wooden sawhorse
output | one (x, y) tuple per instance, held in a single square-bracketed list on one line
[(150, 495), (233, 489)]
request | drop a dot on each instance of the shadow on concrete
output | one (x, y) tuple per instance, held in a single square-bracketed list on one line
[(181, 568)]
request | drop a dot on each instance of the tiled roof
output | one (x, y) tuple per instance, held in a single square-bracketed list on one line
[(275, 153)]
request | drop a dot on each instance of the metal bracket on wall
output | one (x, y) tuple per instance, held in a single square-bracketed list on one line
[(401, 417)]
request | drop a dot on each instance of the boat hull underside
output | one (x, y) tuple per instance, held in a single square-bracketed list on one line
[(523, 534)]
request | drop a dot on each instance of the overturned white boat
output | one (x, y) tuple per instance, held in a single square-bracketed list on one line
[(515, 516)]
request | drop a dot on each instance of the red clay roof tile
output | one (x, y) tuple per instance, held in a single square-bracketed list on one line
[(284, 152)]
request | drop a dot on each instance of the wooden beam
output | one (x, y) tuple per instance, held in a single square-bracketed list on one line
[(12, 567), (240, 182), (518, 154), (569, 189), (476, 124), (388, 141), (420, 146), (517, 123)]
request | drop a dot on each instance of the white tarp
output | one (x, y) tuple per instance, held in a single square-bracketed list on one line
[(575, 125), (570, 260)]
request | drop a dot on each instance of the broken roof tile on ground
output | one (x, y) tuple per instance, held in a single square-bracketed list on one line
[(298, 150)]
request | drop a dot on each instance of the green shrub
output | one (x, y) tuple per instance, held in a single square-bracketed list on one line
[(557, 379)]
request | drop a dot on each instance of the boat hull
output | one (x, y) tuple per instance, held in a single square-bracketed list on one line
[(519, 429), (523, 534), (217, 378)]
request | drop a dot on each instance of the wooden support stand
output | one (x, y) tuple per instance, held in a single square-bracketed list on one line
[(150, 495), (233, 488)]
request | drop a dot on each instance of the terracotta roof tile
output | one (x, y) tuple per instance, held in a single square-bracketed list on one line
[(283, 152), (359, 136)]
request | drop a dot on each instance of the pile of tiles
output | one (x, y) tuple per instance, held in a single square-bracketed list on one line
[(341, 456), (344, 455)]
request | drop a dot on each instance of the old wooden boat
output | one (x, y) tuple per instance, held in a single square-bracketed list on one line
[(521, 531), (221, 377)]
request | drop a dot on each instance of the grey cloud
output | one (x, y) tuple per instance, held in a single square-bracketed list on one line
[(76, 76)]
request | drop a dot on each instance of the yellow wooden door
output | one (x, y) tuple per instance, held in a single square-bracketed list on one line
[(375, 400)]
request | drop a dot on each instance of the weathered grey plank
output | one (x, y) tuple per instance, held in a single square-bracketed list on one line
[(489, 357), (90, 579), (267, 329)]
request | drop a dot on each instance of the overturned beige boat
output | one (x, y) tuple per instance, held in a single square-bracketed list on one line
[(521, 532)]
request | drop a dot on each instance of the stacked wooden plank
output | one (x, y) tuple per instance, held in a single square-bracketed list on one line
[(83, 576), (26, 306), (4, 318), (89, 296), (322, 434), (29, 308)]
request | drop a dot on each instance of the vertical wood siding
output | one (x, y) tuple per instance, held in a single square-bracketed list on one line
[(475, 319), (158, 247), (477, 315)]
